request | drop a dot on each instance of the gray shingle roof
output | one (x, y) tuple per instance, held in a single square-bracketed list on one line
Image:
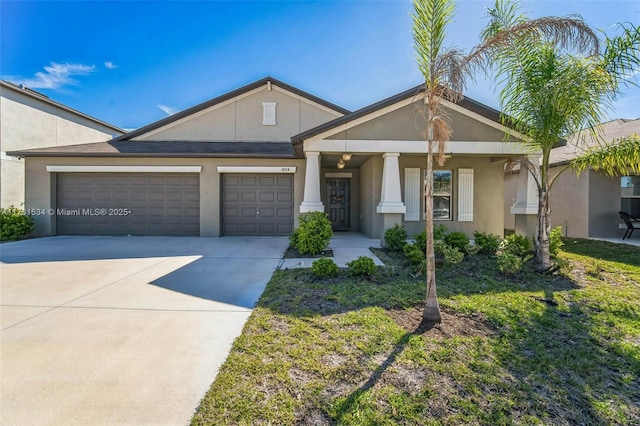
[(166, 149)]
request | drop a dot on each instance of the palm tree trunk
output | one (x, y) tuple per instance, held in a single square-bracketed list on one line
[(543, 230), (431, 311)]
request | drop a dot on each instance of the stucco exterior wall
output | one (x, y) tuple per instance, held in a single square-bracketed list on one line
[(370, 222), (488, 200), (510, 196), (570, 203), (26, 123), (41, 185), (240, 119), (408, 123), (604, 205)]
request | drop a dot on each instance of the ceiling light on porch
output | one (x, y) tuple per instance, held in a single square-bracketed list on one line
[(346, 156), (341, 164)]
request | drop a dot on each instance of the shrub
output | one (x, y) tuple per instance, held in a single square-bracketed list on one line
[(487, 243), (421, 241), (457, 239), (14, 224), (362, 266), (509, 263), (395, 237), (472, 249), (314, 233), (324, 267), (555, 241), (516, 244), (413, 253), (439, 232), (439, 247), (452, 255)]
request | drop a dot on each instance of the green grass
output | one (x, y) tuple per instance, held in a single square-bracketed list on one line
[(330, 351)]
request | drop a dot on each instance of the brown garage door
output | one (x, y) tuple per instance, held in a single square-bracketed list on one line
[(128, 204), (256, 204)]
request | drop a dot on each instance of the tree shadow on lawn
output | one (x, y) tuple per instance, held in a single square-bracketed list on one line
[(551, 359), (555, 366)]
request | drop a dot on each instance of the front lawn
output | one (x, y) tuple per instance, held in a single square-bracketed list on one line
[(530, 349)]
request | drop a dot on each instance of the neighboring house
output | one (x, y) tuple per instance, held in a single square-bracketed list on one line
[(587, 205), (29, 120), (250, 161)]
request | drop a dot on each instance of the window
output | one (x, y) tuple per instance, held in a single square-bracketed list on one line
[(441, 194), (630, 195)]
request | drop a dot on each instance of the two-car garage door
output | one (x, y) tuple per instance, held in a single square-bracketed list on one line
[(169, 204), (128, 204)]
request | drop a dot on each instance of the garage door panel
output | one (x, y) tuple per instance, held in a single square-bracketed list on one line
[(245, 195), (157, 203)]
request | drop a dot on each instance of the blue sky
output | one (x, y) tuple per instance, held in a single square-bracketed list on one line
[(133, 62)]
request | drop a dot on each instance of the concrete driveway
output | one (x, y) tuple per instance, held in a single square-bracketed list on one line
[(122, 330)]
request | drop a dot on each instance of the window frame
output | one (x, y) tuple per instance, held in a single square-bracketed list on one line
[(436, 194), (628, 197)]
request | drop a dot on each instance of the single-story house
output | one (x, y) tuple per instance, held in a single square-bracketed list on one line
[(586, 205), (250, 161), (29, 119)]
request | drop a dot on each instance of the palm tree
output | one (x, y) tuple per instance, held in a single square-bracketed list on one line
[(443, 72), (556, 81)]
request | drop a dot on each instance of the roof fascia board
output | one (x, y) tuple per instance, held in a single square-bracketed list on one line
[(42, 98)]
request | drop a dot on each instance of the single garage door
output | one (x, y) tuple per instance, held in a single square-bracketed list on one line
[(257, 204), (128, 204)]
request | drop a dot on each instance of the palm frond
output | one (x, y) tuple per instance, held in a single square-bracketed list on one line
[(619, 158)]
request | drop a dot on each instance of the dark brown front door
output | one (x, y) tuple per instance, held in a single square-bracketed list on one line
[(338, 201)]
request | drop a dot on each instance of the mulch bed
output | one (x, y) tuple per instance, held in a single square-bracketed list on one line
[(453, 324), (292, 253)]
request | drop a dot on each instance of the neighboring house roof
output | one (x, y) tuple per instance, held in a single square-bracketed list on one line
[(208, 104), (42, 98), (608, 132), (191, 149), (468, 103)]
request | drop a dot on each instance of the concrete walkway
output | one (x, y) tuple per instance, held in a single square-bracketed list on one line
[(631, 241), (122, 330), (346, 246)]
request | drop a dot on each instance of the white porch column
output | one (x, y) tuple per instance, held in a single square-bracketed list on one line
[(312, 201), (390, 196), (525, 208)]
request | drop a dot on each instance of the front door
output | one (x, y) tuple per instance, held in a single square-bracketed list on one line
[(339, 203)]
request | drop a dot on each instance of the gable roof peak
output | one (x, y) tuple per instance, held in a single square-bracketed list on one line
[(265, 81)]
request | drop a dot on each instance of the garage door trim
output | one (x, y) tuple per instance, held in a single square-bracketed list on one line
[(124, 169), (256, 169)]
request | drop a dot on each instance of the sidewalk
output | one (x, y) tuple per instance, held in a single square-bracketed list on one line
[(346, 246)]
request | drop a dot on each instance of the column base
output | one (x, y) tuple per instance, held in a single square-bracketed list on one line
[(311, 206), (391, 207)]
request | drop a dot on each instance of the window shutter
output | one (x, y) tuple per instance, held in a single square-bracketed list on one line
[(465, 195), (412, 194)]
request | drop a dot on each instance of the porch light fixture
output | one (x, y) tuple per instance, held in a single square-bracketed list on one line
[(346, 156), (341, 165)]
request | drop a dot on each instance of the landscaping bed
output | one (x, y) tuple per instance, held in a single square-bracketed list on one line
[(529, 348)]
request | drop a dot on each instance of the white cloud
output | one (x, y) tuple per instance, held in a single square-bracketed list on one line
[(55, 75), (110, 65), (167, 109)]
